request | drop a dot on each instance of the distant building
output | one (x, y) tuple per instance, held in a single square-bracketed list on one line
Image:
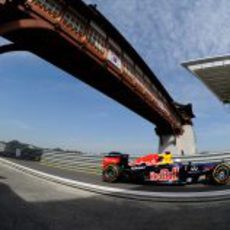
[(2, 146), (18, 153)]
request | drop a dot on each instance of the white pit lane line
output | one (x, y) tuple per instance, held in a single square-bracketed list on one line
[(125, 193)]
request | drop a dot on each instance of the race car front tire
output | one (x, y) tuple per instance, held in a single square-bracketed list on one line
[(221, 174)]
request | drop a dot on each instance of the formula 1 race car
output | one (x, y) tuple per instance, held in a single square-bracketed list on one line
[(161, 169)]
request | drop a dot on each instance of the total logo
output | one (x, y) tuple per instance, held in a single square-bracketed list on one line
[(165, 175)]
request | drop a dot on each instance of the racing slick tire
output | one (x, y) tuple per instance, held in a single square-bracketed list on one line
[(111, 173), (221, 174)]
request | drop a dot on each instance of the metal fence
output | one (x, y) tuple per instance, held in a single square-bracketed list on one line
[(92, 163), (73, 161)]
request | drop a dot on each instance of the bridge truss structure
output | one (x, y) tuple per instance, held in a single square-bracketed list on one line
[(78, 39)]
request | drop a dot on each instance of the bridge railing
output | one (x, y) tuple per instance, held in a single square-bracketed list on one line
[(92, 163)]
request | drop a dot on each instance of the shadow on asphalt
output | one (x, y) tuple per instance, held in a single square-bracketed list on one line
[(103, 213)]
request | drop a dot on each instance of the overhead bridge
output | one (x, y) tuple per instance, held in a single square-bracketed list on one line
[(77, 38), (214, 73)]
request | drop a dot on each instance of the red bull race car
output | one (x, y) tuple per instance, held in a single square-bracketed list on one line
[(162, 169)]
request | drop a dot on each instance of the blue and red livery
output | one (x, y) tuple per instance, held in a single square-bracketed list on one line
[(160, 168)]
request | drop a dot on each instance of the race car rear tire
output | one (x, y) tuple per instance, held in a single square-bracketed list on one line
[(221, 174), (111, 173)]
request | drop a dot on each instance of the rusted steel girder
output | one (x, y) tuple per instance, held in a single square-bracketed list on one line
[(21, 24)]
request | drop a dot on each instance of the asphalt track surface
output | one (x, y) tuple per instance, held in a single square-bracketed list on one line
[(96, 179), (30, 203)]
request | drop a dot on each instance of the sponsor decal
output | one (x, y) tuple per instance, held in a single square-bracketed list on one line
[(138, 167), (165, 175), (194, 168)]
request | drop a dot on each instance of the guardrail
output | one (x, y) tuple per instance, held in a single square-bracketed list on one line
[(73, 161), (211, 157), (92, 163)]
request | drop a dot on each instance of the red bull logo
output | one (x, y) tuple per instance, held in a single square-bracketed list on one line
[(165, 175)]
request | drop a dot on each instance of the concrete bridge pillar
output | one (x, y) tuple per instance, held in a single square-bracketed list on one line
[(182, 145)]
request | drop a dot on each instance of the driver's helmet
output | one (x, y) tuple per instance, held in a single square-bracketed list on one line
[(166, 158)]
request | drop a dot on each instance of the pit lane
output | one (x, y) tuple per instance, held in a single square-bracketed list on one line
[(93, 182)]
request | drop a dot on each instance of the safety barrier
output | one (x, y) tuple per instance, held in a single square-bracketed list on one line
[(92, 163), (73, 161)]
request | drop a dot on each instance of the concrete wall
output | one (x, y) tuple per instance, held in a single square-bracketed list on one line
[(183, 145)]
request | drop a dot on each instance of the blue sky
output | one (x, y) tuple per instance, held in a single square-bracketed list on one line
[(43, 105)]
